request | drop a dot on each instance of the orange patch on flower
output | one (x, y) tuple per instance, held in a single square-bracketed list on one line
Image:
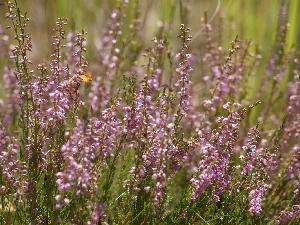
[(86, 77)]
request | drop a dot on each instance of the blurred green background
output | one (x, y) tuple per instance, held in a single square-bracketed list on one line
[(250, 19)]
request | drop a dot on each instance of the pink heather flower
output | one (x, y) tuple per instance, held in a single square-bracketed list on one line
[(215, 151), (101, 90), (98, 212), (255, 198), (293, 170), (289, 214), (297, 194), (184, 70), (11, 88), (60, 105), (14, 171), (225, 78), (292, 123), (251, 151), (66, 201), (4, 45), (85, 149)]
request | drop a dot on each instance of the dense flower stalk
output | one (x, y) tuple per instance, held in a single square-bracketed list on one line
[(103, 89), (215, 150)]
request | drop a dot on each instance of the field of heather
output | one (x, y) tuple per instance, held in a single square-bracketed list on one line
[(150, 112)]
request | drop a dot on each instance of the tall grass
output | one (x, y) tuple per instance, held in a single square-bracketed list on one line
[(158, 131)]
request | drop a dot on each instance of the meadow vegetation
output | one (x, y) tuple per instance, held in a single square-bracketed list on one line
[(112, 126)]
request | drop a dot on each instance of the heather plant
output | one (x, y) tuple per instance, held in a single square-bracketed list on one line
[(128, 137)]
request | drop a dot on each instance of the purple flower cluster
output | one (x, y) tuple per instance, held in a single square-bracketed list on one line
[(216, 148), (103, 89), (255, 197)]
